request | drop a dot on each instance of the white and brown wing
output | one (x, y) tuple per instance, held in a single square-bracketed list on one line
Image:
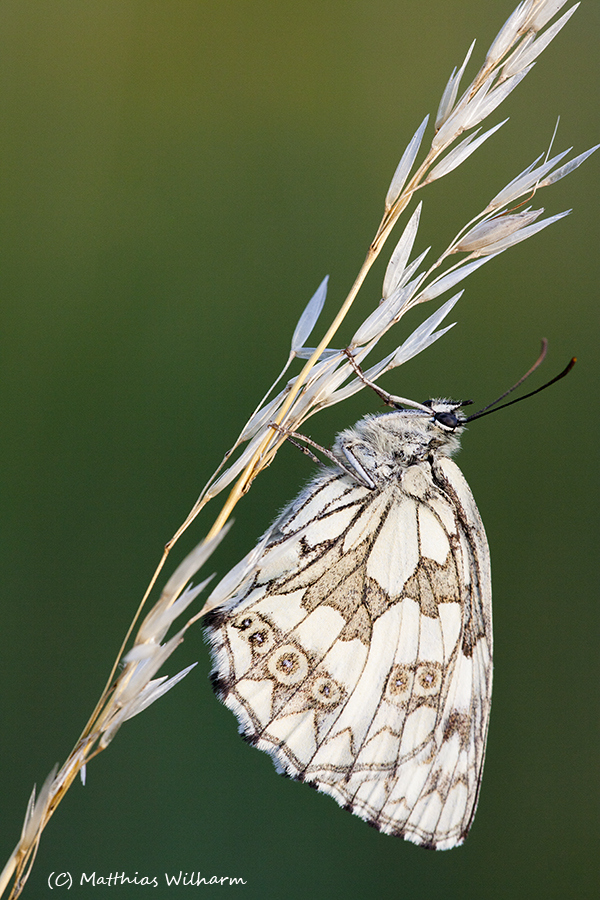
[(359, 656)]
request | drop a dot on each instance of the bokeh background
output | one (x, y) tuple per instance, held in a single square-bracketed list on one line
[(177, 177)]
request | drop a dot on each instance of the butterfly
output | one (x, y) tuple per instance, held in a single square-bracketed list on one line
[(359, 652)]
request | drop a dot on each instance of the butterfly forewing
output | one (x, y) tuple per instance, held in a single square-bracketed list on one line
[(359, 655)]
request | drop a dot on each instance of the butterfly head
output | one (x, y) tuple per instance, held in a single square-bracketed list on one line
[(446, 414), (435, 426)]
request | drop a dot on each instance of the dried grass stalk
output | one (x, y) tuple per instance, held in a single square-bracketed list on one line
[(328, 375)]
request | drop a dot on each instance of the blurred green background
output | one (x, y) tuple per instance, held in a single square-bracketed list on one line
[(177, 177)]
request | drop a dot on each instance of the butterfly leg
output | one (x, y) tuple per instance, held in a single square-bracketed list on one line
[(294, 437), (388, 399), (357, 472)]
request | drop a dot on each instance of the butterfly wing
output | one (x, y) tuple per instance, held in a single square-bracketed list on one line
[(359, 656)]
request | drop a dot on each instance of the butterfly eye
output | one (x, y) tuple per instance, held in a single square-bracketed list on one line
[(447, 420)]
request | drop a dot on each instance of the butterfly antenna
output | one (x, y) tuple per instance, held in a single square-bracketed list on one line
[(523, 378), (492, 406)]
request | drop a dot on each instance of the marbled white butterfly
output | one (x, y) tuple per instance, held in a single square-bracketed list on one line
[(359, 654)]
